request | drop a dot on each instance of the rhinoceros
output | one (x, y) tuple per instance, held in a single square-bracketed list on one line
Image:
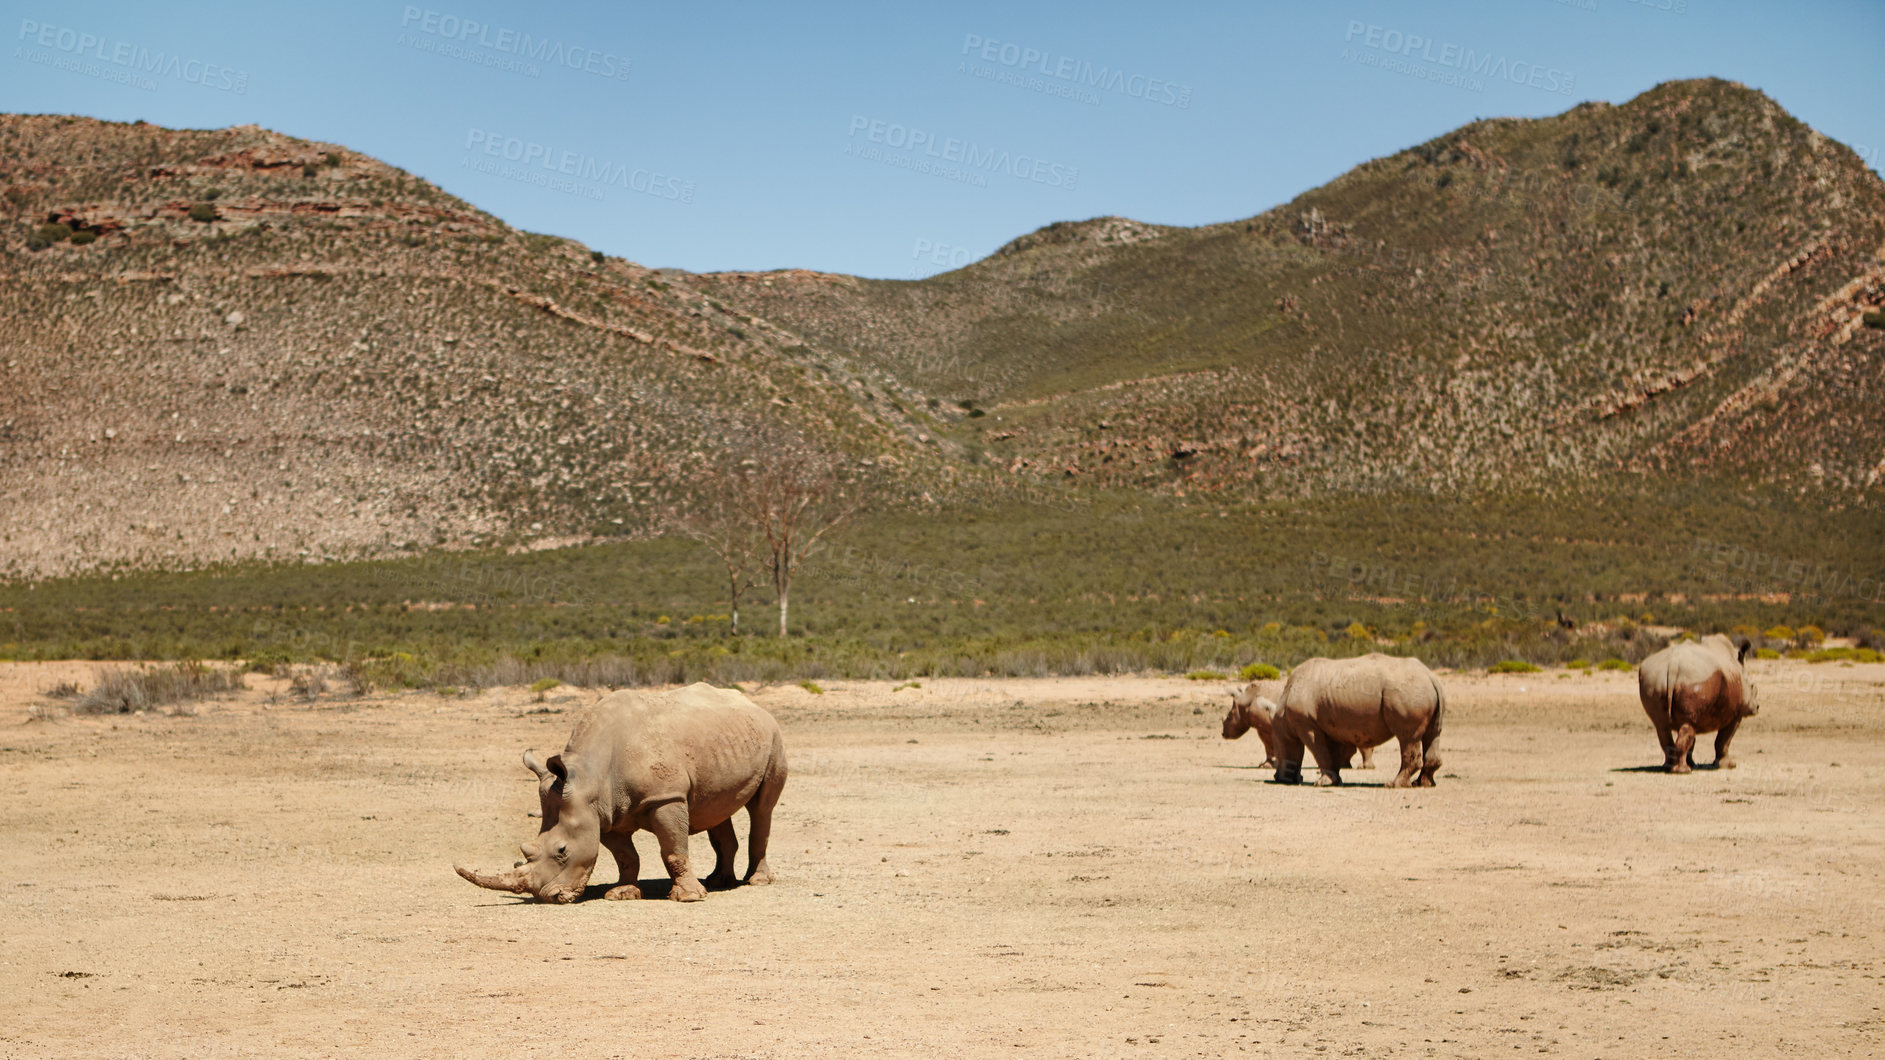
[(1251, 710), (673, 763), (1696, 687), (1334, 706), (1248, 710)]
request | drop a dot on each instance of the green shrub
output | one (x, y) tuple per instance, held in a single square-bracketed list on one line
[(1579, 663), (1207, 675), (1779, 634), (52, 233), (1357, 631), (203, 213), (1845, 655), (545, 685), (1809, 636), (908, 684), (1512, 666), (812, 687), (1614, 663), (80, 239), (1259, 672), (1766, 653)]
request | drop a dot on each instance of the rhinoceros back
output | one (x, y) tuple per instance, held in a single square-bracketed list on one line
[(710, 746)]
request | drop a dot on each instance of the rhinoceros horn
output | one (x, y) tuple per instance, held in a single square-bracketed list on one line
[(512, 881), (531, 763)]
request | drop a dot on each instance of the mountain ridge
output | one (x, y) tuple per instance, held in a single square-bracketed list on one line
[(233, 344)]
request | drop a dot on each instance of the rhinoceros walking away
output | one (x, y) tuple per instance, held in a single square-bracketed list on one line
[(1334, 706), (1696, 687), (673, 763)]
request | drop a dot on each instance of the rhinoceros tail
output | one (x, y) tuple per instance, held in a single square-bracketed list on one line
[(1439, 707)]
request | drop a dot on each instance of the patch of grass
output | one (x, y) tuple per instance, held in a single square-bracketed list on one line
[(123, 690), (1614, 664), (1259, 672), (1207, 675), (812, 687), (62, 690), (1579, 663), (908, 684), (1766, 653), (545, 684), (1512, 666)]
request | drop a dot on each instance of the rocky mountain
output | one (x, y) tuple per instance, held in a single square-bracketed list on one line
[(1674, 286), (233, 344)]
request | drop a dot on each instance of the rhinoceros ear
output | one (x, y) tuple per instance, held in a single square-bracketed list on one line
[(531, 763), (1742, 644), (559, 767)]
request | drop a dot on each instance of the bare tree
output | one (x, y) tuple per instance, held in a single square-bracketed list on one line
[(793, 496), (715, 518)]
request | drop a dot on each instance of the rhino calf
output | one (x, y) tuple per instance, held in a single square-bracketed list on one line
[(1248, 711), (673, 763), (1692, 688), (1334, 707)]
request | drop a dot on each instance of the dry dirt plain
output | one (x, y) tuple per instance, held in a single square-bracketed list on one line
[(974, 868)]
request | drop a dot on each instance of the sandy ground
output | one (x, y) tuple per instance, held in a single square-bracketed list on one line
[(973, 868)]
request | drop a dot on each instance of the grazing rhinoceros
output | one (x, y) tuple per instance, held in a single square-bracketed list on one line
[(1696, 687), (674, 763), (1333, 706), (1250, 710)]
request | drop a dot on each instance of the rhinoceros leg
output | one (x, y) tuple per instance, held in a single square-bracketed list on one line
[(1412, 759), (759, 825), (1367, 758), (622, 846), (1668, 741), (1327, 763), (1722, 761), (1685, 749), (1430, 758), (725, 845), (669, 824)]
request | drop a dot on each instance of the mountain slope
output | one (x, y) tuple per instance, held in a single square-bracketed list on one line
[(233, 344), (255, 346), (1674, 285)]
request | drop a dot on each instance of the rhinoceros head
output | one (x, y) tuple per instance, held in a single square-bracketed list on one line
[(558, 862), (1247, 710)]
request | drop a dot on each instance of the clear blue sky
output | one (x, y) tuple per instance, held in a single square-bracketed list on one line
[(1168, 112)]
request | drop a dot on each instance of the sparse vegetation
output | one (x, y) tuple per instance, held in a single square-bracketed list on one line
[(1614, 663), (1207, 675), (812, 687), (203, 212), (1259, 672), (1512, 666), (129, 689)]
